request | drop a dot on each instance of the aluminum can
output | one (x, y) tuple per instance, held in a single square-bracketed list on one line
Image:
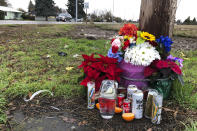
[(137, 104), (120, 100), (126, 106), (91, 94), (130, 90), (122, 90)]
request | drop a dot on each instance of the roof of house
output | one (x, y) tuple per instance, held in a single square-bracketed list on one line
[(7, 9)]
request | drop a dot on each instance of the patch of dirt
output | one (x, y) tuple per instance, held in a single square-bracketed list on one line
[(184, 43), (91, 32), (75, 113), (22, 32)]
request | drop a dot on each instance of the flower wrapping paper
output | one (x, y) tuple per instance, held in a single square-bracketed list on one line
[(132, 72)]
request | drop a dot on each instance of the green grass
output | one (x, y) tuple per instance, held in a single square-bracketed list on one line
[(186, 95), (185, 31), (25, 67), (192, 126)]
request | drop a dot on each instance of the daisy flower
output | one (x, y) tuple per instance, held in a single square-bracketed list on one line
[(142, 54)]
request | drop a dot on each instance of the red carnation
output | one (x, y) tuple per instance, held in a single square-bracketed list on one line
[(149, 71), (126, 44), (112, 40), (175, 67), (160, 64), (115, 49)]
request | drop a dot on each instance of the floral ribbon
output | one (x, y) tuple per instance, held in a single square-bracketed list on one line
[(179, 60)]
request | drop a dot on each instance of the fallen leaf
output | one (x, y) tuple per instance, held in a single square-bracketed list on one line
[(175, 113), (53, 89), (13, 108), (64, 118), (11, 104), (150, 129), (7, 112), (76, 55), (85, 122), (66, 46), (69, 68), (167, 109), (72, 120), (29, 94), (82, 123)]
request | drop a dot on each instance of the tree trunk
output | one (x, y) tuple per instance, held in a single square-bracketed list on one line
[(157, 16), (46, 18)]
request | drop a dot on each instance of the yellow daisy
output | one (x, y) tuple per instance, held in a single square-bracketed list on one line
[(147, 36)]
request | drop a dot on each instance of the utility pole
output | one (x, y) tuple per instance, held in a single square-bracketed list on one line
[(157, 16), (113, 12), (76, 9)]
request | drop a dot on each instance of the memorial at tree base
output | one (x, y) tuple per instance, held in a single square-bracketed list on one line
[(135, 58)]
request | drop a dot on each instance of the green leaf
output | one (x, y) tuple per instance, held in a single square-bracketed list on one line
[(139, 41), (138, 33)]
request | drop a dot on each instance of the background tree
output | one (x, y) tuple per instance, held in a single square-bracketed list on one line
[(187, 21), (58, 10), (31, 8), (21, 9), (45, 8), (194, 22), (72, 8), (4, 3)]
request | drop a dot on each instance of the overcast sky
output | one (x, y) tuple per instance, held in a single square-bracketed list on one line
[(126, 9)]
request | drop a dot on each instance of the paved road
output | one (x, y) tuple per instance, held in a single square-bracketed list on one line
[(7, 22), (20, 22)]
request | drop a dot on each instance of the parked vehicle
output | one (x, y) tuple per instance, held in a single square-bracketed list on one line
[(64, 17)]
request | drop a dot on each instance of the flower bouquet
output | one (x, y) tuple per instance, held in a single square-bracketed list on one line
[(145, 60), (135, 57)]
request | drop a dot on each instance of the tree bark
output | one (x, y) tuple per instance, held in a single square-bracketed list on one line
[(157, 16), (46, 18)]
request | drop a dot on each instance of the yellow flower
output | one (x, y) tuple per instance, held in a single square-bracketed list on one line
[(69, 68), (147, 36), (127, 37)]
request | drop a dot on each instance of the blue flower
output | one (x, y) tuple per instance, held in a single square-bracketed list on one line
[(117, 55), (166, 42)]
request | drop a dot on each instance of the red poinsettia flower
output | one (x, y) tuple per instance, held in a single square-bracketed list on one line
[(88, 60), (93, 73), (129, 30), (160, 64), (115, 49), (126, 44), (174, 67), (85, 81), (149, 71), (98, 69)]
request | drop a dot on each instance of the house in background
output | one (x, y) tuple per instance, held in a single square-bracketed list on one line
[(7, 13)]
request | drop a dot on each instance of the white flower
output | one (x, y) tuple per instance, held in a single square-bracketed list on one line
[(142, 54)]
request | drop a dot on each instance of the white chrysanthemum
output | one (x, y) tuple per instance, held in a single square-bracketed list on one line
[(142, 54)]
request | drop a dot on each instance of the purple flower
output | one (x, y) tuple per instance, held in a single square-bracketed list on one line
[(117, 55)]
